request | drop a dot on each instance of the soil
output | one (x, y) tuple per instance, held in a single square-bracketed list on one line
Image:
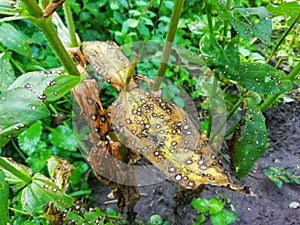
[(271, 206)]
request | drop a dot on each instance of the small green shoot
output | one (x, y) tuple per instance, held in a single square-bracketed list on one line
[(281, 175), (215, 208)]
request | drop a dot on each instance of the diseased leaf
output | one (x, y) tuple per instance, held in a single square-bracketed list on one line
[(227, 61), (15, 39), (41, 191), (64, 138), (246, 23), (250, 139), (10, 132), (60, 170), (23, 102), (29, 139), (261, 78), (60, 85), (11, 179)]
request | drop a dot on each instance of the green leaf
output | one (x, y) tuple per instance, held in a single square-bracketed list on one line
[(200, 220), (29, 139), (280, 175), (201, 204), (252, 22), (80, 169), (14, 39), (4, 194), (22, 103), (60, 85), (261, 78), (217, 219), (20, 106), (252, 141), (11, 179), (63, 137), (223, 217), (38, 160), (7, 75), (132, 22), (227, 61), (290, 9), (10, 132), (41, 191), (215, 206)]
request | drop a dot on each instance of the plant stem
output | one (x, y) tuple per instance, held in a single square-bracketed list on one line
[(168, 45), (48, 30), (33, 8), (70, 23), (282, 38), (230, 114), (273, 97), (228, 4), (212, 97), (5, 165), (209, 18)]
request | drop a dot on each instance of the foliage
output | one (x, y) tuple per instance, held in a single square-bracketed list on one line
[(236, 41), (281, 175), (217, 214)]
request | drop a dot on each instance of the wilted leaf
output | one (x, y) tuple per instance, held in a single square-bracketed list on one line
[(64, 138), (252, 22), (14, 39), (41, 191), (60, 170), (250, 140)]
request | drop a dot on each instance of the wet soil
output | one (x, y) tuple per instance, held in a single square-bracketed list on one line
[(271, 206)]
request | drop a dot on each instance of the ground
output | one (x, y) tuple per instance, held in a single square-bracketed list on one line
[(271, 206)]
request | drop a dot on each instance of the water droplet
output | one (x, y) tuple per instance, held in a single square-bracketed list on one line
[(27, 85), (33, 107)]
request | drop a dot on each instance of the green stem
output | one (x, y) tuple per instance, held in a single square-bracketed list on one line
[(212, 97), (226, 23), (18, 67), (70, 23), (33, 8), (282, 38), (5, 165), (48, 30), (209, 17), (273, 97), (230, 114), (168, 45)]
